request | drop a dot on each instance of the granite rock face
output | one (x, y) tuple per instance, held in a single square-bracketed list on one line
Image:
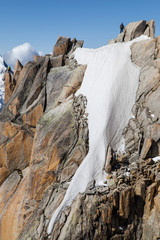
[(66, 46), (136, 29), (44, 139)]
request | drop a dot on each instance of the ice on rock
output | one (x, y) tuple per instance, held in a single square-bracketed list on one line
[(110, 85)]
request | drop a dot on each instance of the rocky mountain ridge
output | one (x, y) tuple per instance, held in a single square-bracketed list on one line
[(44, 139)]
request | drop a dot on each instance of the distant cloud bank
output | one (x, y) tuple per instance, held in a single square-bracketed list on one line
[(23, 53)]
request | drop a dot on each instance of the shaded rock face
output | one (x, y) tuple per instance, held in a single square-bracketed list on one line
[(44, 139), (9, 86)]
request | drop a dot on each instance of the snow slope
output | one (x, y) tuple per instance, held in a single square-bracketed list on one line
[(2, 87), (110, 85)]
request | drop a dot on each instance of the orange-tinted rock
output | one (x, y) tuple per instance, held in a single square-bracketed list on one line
[(32, 117), (15, 149), (39, 59), (14, 106), (125, 202), (108, 161), (11, 129), (61, 46), (8, 188), (9, 86), (19, 208), (4, 173), (54, 138), (151, 217), (17, 70)]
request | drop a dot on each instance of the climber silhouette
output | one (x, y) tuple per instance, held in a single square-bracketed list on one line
[(121, 27)]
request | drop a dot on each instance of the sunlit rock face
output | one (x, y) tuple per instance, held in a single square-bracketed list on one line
[(79, 143)]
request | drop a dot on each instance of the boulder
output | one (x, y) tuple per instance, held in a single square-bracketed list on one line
[(120, 37), (143, 52), (134, 30), (150, 30), (66, 46), (74, 44), (61, 46)]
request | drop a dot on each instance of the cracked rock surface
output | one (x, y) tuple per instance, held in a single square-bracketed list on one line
[(44, 139)]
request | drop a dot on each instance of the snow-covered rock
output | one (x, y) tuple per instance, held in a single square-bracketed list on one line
[(2, 87)]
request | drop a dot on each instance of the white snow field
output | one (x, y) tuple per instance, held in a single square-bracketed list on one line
[(2, 84), (110, 85)]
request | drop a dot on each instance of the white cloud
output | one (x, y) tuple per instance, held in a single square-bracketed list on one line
[(23, 53)]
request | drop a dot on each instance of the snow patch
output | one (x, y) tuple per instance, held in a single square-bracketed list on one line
[(156, 159), (110, 83), (122, 146), (2, 83)]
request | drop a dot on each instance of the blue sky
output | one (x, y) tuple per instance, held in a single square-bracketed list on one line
[(95, 22)]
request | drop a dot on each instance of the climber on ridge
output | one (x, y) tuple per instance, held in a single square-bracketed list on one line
[(9, 69), (121, 27)]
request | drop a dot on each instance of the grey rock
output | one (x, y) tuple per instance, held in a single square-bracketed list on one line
[(111, 41), (91, 185), (152, 102), (150, 30), (39, 59), (143, 52), (109, 160), (56, 80), (158, 177), (56, 61), (134, 30), (149, 78), (111, 184), (120, 37), (90, 192), (25, 81)]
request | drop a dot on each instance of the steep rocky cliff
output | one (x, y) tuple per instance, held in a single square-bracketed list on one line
[(45, 137)]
